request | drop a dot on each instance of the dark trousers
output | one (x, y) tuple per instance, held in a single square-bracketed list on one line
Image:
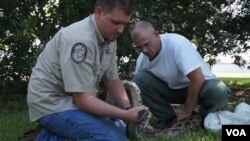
[(158, 96)]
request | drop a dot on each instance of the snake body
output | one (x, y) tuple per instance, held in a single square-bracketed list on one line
[(134, 95)]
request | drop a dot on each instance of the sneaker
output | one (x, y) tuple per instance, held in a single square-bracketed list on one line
[(31, 134)]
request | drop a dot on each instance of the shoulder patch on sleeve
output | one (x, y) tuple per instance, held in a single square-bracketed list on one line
[(79, 52)]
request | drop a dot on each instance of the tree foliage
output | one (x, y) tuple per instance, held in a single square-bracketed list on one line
[(220, 26)]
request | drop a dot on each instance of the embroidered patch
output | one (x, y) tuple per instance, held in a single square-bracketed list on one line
[(79, 52)]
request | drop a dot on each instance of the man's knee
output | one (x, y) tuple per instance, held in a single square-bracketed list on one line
[(145, 78), (140, 76), (215, 89), (221, 92), (215, 94)]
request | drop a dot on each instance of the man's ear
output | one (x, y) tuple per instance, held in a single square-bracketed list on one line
[(98, 11), (157, 32)]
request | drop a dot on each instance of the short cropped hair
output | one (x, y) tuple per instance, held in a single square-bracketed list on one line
[(126, 6)]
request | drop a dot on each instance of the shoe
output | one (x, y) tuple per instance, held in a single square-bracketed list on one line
[(31, 134)]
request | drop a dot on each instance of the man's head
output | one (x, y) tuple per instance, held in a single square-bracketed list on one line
[(146, 39), (112, 16)]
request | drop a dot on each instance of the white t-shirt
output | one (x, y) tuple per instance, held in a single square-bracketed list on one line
[(176, 59)]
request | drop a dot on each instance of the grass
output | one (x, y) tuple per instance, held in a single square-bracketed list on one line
[(236, 82), (197, 134), (14, 120)]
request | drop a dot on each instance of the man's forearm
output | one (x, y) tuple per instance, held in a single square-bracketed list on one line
[(91, 104), (192, 98), (195, 85), (117, 90)]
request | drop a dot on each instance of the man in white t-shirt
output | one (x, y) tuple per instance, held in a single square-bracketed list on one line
[(170, 70)]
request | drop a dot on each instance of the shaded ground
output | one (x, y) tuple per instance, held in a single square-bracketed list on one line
[(10, 105), (239, 95), (240, 92)]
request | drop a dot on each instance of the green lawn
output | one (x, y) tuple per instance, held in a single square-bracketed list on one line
[(236, 82), (193, 135), (14, 119)]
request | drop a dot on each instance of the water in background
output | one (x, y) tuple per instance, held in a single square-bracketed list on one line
[(230, 70)]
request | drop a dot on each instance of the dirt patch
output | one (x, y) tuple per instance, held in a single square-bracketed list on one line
[(238, 92), (239, 95)]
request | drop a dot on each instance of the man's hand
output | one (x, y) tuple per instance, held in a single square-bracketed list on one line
[(183, 115), (142, 115), (132, 114)]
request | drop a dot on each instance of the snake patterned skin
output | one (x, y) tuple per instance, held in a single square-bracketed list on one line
[(181, 126), (134, 95)]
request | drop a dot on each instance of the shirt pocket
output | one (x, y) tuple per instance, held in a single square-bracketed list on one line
[(105, 61), (96, 69), (105, 64)]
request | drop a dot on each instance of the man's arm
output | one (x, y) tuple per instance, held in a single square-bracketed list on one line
[(117, 90), (90, 103), (196, 79)]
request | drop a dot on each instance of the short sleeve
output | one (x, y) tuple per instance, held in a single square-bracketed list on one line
[(185, 56), (76, 59), (138, 66)]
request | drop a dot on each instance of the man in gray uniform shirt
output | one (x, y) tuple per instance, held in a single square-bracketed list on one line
[(63, 87)]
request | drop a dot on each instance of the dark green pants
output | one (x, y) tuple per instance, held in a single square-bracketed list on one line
[(157, 95)]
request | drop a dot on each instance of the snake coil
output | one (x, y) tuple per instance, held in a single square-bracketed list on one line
[(134, 95)]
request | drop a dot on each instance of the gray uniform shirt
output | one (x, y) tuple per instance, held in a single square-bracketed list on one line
[(74, 60)]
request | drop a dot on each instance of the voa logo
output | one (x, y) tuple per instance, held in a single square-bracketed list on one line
[(236, 132)]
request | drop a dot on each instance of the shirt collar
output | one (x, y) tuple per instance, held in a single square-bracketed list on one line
[(97, 31)]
